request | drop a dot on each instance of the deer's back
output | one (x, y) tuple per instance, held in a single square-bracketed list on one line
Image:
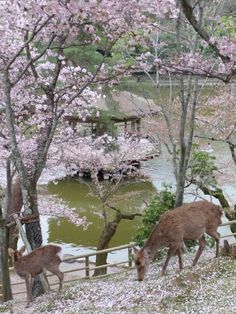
[(37, 260), (189, 221)]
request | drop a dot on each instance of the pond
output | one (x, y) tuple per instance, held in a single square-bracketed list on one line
[(130, 197), (77, 194)]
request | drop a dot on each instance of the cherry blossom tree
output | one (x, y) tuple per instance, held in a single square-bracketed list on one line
[(178, 114), (218, 118), (220, 63), (39, 87), (223, 45), (202, 51)]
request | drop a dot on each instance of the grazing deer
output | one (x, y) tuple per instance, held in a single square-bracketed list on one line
[(28, 266), (187, 222)]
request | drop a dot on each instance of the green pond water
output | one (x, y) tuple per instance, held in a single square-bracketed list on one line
[(130, 197)]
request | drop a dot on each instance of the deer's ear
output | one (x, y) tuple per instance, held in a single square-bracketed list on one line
[(135, 250), (22, 249), (10, 251)]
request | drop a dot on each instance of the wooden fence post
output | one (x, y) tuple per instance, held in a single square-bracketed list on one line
[(130, 256), (6, 293), (28, 247), (87, 266)]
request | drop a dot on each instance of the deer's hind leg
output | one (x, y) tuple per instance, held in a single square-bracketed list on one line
[(179, 253), (54, 269), (216, 235), (202, 244)]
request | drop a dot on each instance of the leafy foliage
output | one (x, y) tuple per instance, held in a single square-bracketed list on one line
[(83, 56), (160, 203), (226, 26), (202, 168)]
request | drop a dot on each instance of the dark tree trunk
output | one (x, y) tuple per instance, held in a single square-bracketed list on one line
[(232, 148), (180, 190), (34, 236), (33, 229), (108, 233), (4, 267), (106, 236)]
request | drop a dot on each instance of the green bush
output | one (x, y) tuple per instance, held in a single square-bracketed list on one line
[(202, 168), (162, 202)]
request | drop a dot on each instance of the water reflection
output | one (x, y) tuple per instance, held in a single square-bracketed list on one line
[(77, 194)]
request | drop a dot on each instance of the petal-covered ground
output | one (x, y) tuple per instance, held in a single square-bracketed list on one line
[(206, 288)]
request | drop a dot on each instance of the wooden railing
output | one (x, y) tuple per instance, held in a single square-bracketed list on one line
[(89, 267), (228, 223)]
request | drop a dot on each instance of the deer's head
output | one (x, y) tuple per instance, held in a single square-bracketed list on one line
[(142, 260), (16, 255)]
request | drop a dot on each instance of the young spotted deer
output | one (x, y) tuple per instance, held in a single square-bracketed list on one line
[(28, 266), (187, 222)]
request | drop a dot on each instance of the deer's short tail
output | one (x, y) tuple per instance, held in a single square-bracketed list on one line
[(58, 251)]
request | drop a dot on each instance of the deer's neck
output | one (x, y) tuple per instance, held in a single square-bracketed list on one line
[(153, 243), (16, 257)]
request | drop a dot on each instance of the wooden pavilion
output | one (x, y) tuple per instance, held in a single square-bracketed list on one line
[(117, 110)]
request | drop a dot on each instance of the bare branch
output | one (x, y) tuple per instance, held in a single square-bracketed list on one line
[(31, 61), (189, 14), (124, 216)]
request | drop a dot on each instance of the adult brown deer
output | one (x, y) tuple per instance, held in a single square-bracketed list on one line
[(187, 222), (28, 266)]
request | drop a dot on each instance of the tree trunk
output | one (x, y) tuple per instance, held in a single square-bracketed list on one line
[(106, 236), (180, 190), (4, 268), (232, 148), (32, 229), (108, 233)]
